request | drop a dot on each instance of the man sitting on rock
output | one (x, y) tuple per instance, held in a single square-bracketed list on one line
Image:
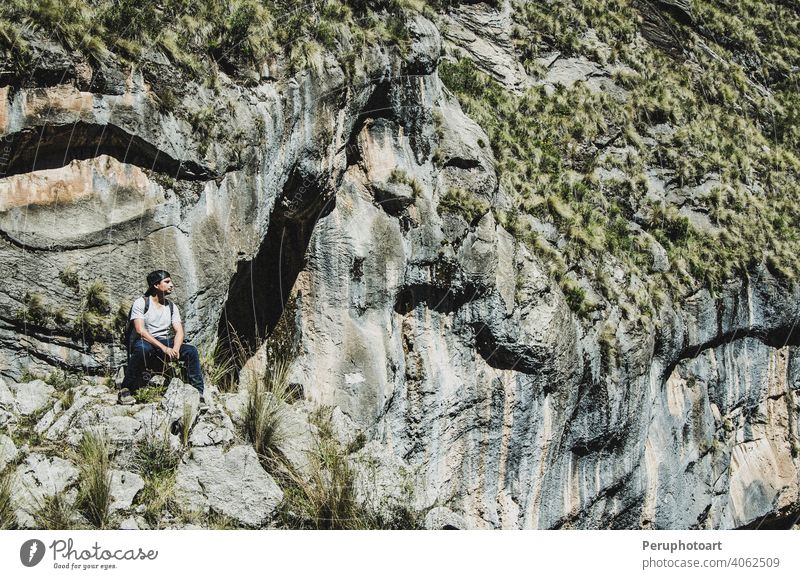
[(153, 316)]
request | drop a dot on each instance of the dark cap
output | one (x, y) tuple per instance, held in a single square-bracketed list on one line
[(153, 278)]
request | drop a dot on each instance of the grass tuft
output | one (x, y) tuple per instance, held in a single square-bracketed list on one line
[(8, 518), (327, 499), (55, 513), (94, 489), (157, 463), (266, 409)]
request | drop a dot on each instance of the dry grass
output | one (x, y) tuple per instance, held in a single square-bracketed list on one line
[(264, 418), (55, 513), (156, 462), (94, 489), (8, 519)]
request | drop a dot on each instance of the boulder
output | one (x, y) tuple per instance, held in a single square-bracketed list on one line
[(231, 483), (8, 451), (31, 396), (124, 487), (35, 479)]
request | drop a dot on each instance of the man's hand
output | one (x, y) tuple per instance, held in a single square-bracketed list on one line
[(172, 353)]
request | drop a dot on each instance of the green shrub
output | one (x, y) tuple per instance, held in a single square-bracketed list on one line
[(575, 296), (153, 456), (326, 500), (150, 393), (96, 298), (219, 364), (462, 202), (403, 178), (92, 326), (61, 380), (608, 346), (69, 277), (35, 311)]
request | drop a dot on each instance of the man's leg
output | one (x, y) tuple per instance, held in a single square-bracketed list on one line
[(195, 373), (137, 363)]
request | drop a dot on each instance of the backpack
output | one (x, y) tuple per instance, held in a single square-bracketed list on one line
[(129, 334)]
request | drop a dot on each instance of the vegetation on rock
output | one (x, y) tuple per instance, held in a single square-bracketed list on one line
[(716, 130)]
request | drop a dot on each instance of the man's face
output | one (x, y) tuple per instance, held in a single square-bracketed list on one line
[(165, 285)]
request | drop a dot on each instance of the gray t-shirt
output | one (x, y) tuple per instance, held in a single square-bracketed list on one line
[(156, 320)]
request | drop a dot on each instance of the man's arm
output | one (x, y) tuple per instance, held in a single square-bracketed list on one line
[(178, 342), (138, 325)]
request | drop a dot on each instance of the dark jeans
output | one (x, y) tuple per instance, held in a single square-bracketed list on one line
[(143, 353)]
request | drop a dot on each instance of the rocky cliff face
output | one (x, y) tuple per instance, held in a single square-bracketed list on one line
[(361, 218)]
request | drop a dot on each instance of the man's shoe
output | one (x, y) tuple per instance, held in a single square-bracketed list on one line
[(125, 398), (203, 405)]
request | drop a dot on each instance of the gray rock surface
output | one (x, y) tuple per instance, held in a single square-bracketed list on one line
[(214, 428), (6, 396), (297, 441), (442, 518), (124, 487), (8, 451), (231, 483), (31, 396), (36, 478)]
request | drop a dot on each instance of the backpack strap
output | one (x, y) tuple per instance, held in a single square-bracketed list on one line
[(171, 309)]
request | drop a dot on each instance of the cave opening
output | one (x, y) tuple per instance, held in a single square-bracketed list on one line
[(54, 146), (259, 291)]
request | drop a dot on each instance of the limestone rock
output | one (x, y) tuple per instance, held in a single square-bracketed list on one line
[(384, 482), (36, 478), (231, 483), (31, 396), (439, 518), (482, 31), (306, 206), (124, 487), (130, 524), (425, 48), (6, 396), (8, 451), (214, 428)]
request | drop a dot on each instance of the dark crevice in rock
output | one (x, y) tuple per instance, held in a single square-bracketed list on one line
[(43, 333), (445, 292), (702, 518), (47, 65), (461, 163), (504, 355), (778, 337), (54, 146), (378, 106), (259, 290), (17, 243), (444, 300), (55, 362), (608, 441), (776, 521), (613, 490), (629, 516), (681, 10), (657, 28), (115, 235)]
